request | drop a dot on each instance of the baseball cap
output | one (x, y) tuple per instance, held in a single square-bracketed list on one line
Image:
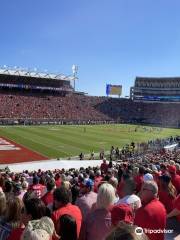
[(88, 183), (172, 169), (121, 212), (148, 177), (17, 187)]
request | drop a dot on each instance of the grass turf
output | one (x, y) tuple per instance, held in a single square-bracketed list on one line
[(62, 141)]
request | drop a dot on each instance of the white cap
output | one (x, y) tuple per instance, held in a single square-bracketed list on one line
[(148, 177)]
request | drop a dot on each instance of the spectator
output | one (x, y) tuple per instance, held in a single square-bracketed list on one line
[(176, 209), (12, 217), (63, 206), (174, 177), (98, 178), (36, 187), (41, 229), (104, 166), (48, 197), (68, 229), (8, 189), (99, 228), (34, 209), (87, 198), (139, 179), (17, 190), (128, 195), (173, 219), (152, 214), (2, 205), (122, 212), (167, 192), (58, 180), (24, 187), (148, 177), (125, 232)]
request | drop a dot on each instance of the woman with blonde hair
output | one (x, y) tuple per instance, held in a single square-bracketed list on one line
[(98, 223), (12, 217)]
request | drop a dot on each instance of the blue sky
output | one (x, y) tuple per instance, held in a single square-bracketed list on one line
[(112, 41)]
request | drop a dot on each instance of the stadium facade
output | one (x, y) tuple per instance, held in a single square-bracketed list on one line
[(156, 89)]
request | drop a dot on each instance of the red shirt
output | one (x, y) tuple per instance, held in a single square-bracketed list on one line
[(38, 189), (166, 200), (152, 216), (139, 181), (70, 209), (177, 206), (48, 198), (120, 189), (16, 234), (58, 182), (176, 182), (104, 167)]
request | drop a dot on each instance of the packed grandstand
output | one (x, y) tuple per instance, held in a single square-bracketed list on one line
[(136, 195), (31, 97)]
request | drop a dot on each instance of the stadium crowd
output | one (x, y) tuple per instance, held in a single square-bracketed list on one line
[(71, 107), (129, 111), (75, 107), (105, 202)]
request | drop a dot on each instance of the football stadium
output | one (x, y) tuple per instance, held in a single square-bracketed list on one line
[(43, 113), (92, 151), (50, 131)]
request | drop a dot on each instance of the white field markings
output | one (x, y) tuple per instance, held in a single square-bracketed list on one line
[(29, 148), (54, 129), (7, 146)]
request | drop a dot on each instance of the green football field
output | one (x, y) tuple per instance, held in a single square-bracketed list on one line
[(63, 141)]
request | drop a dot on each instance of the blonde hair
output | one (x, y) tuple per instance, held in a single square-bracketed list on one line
[(113, 182), (13, 211), (106, 196), (2, 203), (66, 184), (171, 162), (177, 166)]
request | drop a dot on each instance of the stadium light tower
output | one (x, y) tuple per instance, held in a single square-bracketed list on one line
[(74, 70)]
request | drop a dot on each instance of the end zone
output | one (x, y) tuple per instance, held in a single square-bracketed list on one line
[(12, 152)]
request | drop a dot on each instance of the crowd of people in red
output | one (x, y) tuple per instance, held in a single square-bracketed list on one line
[(137, 199), (127, 110), (70, 107), (74, 107)]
